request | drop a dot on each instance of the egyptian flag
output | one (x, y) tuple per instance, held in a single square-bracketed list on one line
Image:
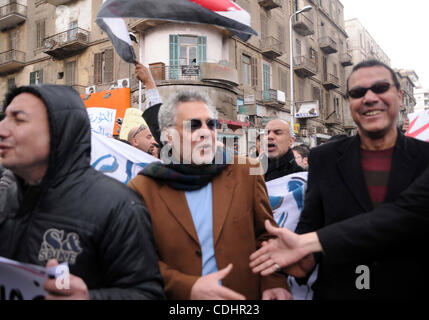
[(223, 13)]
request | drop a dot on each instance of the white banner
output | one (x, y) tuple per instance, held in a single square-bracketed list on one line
[(102, 120), (20, 281), (117, 159), (287, 200)]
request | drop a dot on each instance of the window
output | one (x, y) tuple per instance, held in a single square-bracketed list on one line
[(12, 38), (297, 47), (282, 80), (313, 54), (36, 77), (70, 73), (103, 66), (40, 33), (337, 106), (281, 33), (254, 62), (246, 68), (267, 81), (71, 33), (316, 95), (11, 83)]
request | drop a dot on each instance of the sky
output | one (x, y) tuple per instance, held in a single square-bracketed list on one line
[(401, 29)]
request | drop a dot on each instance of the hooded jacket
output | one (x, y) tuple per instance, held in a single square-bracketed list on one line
[(80, 216)]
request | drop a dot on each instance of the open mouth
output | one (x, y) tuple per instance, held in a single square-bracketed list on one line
[(271, 147)]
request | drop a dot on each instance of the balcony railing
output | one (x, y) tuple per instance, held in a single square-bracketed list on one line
[(305, 67), (271, 47), (303, 25), (57, 2), (346, 59), (67, 43), (168, 73), (328, 45), (12, 14), (11, 61), (270, 4), (330, 82)]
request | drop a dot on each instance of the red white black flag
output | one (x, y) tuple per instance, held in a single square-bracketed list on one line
[(223, 13)]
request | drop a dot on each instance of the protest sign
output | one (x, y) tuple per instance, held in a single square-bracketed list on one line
[(133, 118), (117, 159), (286, 196), (102, 120), (419, 126), (21, 281)]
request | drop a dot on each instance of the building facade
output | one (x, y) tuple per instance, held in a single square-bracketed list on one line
[(57, 41), (422, 99), (408, 80)]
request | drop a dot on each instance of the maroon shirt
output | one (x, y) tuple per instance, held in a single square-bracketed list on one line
[(376, 167)]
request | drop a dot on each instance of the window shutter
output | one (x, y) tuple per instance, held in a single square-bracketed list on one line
[(108, 65), (174, 56), (10, 83), (254, 63), (41, 76), (202, 50), (266, 71), (98, 65), (33, 77)]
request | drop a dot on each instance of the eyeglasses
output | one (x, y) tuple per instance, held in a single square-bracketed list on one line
[(378, 88), (196, 124), (140, 129)]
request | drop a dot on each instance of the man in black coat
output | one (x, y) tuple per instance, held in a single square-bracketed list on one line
[(281, 161), (69, 212), (351, 176)]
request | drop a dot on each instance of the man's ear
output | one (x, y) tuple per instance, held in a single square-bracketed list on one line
[(133, 142)]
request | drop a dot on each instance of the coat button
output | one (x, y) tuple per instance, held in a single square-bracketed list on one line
[(198, 253)]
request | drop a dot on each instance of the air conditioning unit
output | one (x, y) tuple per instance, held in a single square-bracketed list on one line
[(91, 89), (123, 83), (50, 43), (242, 117)]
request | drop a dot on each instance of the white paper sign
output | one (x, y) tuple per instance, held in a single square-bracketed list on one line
[(419, 126), (117, 159), (21, 281), (102, 120)]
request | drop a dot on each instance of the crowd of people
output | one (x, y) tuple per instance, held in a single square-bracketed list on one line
[(194, 227)]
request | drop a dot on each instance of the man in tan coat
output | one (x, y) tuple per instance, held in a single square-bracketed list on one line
[(207, 215)]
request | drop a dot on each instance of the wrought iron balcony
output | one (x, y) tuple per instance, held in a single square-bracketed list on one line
[(67, 43), (330, 82), (58, 2), (12, 14), (328, 45), (11, 61), (303, 24), (172, 73), (271, 47), (270, 4), (305, 67), (346, 59)]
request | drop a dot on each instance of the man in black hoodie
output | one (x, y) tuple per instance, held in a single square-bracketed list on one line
[(68, 212), (281, 161)]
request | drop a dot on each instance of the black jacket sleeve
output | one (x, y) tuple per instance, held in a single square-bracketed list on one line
[(129, 260), (150, 115), (403, 222)]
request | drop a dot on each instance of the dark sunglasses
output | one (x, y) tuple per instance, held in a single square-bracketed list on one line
[(196, 124), (378, 88)]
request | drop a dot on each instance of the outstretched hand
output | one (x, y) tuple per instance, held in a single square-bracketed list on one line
[(283, 251)]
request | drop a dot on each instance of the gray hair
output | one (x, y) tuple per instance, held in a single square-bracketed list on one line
[(167, 114)]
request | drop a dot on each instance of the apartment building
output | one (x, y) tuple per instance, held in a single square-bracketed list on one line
[(408, 80), (422, 99), (57, 41)]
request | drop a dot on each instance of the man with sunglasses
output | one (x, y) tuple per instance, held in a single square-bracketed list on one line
[(354, 175), (141, 138), (207, 210)]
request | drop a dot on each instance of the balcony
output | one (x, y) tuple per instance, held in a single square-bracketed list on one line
[(328, 45), (330, 82), (274, 98), (11, 15), (142, 25), (305, 67), (67, 43), (11, 61), (58, 2), (271, 47), (346, 59), (303, 25), (175, 73), (333, 119), (270, 4)]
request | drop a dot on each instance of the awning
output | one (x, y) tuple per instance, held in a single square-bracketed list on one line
[(235, 123)]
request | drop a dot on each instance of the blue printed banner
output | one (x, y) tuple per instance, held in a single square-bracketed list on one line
[(117, 159), (102, 120)]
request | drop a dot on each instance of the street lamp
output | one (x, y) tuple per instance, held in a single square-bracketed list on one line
[(292, 102)]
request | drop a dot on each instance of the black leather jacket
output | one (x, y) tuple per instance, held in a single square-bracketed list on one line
[(76, 214)]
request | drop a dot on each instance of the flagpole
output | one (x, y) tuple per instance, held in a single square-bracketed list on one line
[(140, 60)]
